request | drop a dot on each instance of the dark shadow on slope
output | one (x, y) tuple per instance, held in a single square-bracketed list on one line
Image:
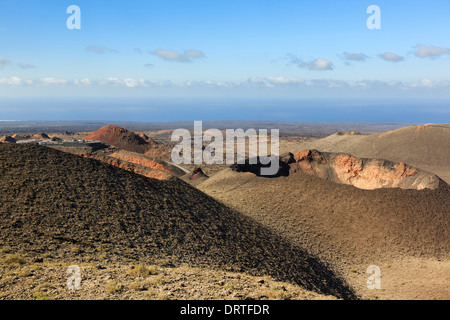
[(255, 166)]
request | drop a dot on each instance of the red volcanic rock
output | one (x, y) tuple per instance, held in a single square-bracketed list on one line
[(197, 174), (7, 139), (132, 167), (362, 173), (122, 139), (195, 177), (148, 162), (304, 159)]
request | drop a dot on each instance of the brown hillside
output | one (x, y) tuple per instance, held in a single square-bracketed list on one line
[(41, 136), (426, 147), (122, 139), (22, 137), (349, 227), (51, 202)]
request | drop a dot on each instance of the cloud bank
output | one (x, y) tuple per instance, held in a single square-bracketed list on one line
[(253, 82)]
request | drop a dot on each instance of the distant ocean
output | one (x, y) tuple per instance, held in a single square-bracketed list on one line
[(143, 109)]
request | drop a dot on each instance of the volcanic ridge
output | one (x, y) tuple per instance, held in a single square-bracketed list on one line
[(51, 201)]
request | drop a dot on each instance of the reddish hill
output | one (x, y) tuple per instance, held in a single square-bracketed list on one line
[(426, 147), (362, 173), (148, 162), (7, 139), (129, 166), (123, 139), (138, 163)]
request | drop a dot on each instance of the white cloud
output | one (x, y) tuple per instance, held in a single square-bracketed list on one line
[(320, 64), (185, 57), (195, 54), (423, 51), (52, 81), (357, 57), (12, 81), (272, 82), (110, 81), (133, 83), (84, 82), (170, 55), (316, 65), (100, 49), (427, 83), (203, 84), (391, 57), (128, 82)]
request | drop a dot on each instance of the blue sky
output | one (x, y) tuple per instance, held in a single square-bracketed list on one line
[(242, 52)]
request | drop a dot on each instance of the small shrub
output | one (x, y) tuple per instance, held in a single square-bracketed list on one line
[(76, 249), (6, 280), (283, 295), (143, 271), (114, 287), (136, 286), (163, 263), (15, 259), (40, 296), (37, 267), (155, 281), (102, 256), (153, 270), (5, 249), (163, 296), (24, 273)]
